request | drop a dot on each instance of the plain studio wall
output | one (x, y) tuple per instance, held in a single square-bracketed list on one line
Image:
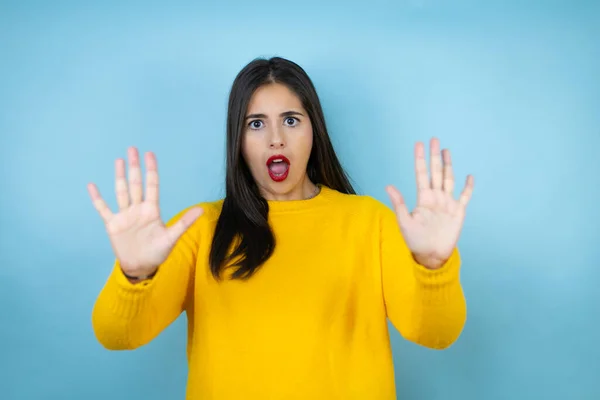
[(512, 89)]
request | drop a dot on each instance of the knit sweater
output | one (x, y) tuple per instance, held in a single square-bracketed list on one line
[(312, 323)]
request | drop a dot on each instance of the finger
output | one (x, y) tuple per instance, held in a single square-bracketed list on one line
[(436, 164), (421, 167), (99, 203), (121, 189), (178, 228), (399, 205), (151, 178), (467, 192), (135, 176), (448, 183)]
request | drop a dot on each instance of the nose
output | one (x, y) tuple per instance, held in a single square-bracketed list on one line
[(276, 141)]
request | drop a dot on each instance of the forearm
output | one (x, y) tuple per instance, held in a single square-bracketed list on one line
[(129, 315), (121, 312), (428, 307)]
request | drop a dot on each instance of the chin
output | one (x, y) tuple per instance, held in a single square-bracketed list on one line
[(281, 187)]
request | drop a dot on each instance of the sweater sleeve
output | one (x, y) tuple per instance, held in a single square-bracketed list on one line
[(127, 316), (426, 306)]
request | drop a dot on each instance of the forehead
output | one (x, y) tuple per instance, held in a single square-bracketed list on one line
[(273, 97)]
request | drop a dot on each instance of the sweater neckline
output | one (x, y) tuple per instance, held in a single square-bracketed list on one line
[(323, 197)]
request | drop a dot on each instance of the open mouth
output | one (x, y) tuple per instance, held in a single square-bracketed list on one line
[(278, 167)]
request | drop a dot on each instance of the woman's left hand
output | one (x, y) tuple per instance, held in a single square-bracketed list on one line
[(432, 229)]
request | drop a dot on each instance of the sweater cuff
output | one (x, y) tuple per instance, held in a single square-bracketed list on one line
[(128, 299), (439, 285)]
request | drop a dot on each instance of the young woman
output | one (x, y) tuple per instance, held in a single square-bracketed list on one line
[(289, 281)]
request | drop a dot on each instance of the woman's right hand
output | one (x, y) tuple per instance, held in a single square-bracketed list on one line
[(139, 238)]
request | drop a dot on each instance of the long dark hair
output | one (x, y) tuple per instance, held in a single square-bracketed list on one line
[(243, 220)]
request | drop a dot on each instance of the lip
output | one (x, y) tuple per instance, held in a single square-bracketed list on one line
[(276, 157), (282, 177)]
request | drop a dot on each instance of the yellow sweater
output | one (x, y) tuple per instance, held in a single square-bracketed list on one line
[(311, 324)]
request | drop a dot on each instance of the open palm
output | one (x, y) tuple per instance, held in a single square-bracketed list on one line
[(432, 229), (139, 238)]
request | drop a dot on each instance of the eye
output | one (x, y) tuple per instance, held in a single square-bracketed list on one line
[(256, 124), (291, 121)]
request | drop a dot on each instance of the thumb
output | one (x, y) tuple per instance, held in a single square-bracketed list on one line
[(399, 205), (175, 231)]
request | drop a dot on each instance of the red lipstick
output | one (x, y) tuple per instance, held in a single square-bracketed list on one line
[(278, 166)]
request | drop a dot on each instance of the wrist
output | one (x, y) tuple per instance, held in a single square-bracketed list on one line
[(139, 278), (428, 262)]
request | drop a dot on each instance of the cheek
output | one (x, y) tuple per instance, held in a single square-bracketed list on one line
[(307, 142)]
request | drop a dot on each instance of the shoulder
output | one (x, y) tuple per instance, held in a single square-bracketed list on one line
[(362, 204), (212, 209), (210, 212)]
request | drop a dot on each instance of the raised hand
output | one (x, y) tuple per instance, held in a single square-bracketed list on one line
[(139, 238), (432, 229)]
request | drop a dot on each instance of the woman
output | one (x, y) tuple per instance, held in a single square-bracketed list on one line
[(288, 282)]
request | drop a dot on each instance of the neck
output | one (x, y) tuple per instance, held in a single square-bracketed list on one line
[(309, 204), (303, 191)]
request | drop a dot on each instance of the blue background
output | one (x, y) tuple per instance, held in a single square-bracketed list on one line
[(512, 88)]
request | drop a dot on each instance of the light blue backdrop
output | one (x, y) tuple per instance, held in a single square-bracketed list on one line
[(512, 89)]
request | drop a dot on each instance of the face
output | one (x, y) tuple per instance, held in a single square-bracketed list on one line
[(277, 141)]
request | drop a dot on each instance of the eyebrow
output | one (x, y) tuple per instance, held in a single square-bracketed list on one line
[(283, 114)]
